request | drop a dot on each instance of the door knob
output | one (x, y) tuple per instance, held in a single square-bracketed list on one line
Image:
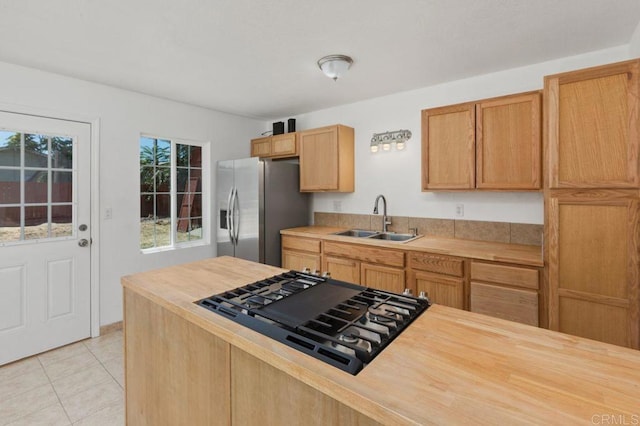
[(83, 242)]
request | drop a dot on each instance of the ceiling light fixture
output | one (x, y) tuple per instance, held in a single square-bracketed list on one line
[(398, 137), (334, 66)]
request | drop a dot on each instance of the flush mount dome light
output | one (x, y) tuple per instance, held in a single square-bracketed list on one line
[(334, 66)]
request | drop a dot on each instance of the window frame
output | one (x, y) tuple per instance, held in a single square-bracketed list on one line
[(173, 195)]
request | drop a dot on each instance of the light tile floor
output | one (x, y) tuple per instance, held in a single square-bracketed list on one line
[(78, 384)]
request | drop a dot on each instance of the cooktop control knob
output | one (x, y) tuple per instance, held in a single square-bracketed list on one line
[(327, 274), (407, 292), (422, 295), (305, 270), (315, 272)]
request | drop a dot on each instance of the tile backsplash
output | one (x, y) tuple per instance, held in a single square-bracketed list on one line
[(503, 232)]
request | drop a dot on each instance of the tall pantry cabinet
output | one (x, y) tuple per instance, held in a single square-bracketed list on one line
[(592, 209)]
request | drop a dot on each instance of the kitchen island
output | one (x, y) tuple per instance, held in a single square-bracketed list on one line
[(187, 365)]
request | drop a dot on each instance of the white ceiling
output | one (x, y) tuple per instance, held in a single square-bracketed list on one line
[(258, 58)]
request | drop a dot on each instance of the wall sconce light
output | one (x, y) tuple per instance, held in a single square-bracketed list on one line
[(384, 140)]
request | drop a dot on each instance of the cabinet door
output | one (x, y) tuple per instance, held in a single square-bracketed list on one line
[(382, 277), (261, 147), (593, 265), (448, 147), (319, 159), (593, 127), (342, 269), (442, 290), (284, 145), (508, 142), (502, 302), (298, 260)]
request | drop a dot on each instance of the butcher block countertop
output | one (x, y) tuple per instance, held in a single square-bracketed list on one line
[(448, 367), (482, 250)]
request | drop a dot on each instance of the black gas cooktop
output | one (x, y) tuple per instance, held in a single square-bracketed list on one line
[(343, 324)]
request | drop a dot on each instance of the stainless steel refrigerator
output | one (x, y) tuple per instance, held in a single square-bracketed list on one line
[(255, 200)]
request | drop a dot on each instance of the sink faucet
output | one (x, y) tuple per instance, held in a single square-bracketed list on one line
[(385, 218)]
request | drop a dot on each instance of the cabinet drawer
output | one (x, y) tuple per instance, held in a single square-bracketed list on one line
[(438, 264), (506, 303), (510, 275), (297, 243), (368, 254)]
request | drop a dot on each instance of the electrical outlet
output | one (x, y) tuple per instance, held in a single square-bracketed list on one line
[(337, 205), (459, 210), (108, 213)]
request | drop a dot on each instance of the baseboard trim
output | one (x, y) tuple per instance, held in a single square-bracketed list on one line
[(110, 328)]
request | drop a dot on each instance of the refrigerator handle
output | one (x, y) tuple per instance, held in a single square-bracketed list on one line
[(236, 210), (229, 216)]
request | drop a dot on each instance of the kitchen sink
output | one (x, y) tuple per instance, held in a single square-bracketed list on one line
[(386, 236), (357, 233), (391, 236)]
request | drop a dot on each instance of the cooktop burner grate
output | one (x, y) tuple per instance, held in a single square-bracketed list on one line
[(341, 323)]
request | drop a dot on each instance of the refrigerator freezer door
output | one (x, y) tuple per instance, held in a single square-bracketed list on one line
[(246, 208), (284, 206), (224, 187)]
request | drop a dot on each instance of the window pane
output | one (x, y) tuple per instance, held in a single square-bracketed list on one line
[(182, 155), (163, 179), (147, 147), (146, 178), (9, 187), (35, 222), (9, 148), (62, 187), (35, 189), (182, 179), (9, 224), (162, 229), (61, 221), (196, 229), (196, 205), (163, 152), (163, 206), (61, 152), (147, 238), (36, 151), (195, 159)]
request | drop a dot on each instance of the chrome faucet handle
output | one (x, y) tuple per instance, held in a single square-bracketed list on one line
[(413, 231)]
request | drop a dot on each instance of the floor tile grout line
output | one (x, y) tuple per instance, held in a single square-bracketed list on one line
[(54, 391)]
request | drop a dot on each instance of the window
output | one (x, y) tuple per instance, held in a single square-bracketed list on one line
[(36, 186), (171, 193)]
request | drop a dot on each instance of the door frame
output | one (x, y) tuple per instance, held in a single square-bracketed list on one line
[(94, 144)]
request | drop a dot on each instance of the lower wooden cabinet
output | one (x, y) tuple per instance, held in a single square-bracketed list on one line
[(440, 289), (374, 267), (594, 264), (342, 269), (442, 278), (382, 277), (505, 291), (299, 253)]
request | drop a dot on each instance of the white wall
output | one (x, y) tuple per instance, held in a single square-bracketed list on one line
[(634, 43), (396, 174), (123, 117)]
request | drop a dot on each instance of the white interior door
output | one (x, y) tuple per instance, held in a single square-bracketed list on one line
[(45, 244)]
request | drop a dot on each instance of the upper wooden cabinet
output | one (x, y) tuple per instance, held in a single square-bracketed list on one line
[(327, 159), (508, 143), (278, 146), (448, 142), (592, 127), (491, 144)]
